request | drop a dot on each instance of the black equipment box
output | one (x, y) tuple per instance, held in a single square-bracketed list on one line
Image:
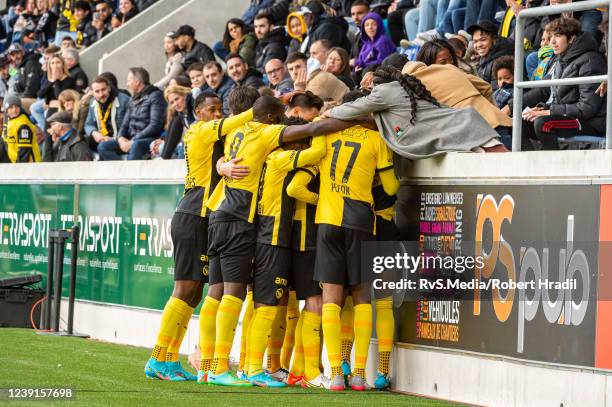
[(16, 302)]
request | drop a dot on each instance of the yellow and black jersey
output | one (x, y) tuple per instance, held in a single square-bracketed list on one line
[(353, 157), (274, 207), (203, 147), (304, 188), (19, 134), (252, 142), (384, 204)]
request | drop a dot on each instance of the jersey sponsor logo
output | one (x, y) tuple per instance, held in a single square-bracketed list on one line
[(24, 134), (279, 293)]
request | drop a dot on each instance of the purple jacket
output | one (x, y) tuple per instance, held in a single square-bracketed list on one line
[(374, 51)]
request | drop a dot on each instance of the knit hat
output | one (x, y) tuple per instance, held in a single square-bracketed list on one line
[(11, 100)]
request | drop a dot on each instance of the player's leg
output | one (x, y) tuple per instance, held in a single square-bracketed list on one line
[(275, 342), (208, 318), (293, 313), (296, 372), (360, 290), (234, 242), (190, 275), (347, 318), (246, 322), (330, 269), (270, 278)]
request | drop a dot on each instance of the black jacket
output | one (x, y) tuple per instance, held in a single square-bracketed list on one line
[(86, 33), (73, 149), (80, 77), (200, 52), (485, 67), (51, 90), (30, 75), (272, 46), (333, 29), (253, 78), (145, 115), (278, 11), (575, 101)]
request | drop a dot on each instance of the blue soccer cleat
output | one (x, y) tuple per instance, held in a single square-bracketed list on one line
[(175, 369), (382, 381), (264, 379), (155, 369), (202, 377), (346, 371), (227, 379)]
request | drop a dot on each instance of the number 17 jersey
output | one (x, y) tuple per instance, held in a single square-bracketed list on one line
[(353, 156)]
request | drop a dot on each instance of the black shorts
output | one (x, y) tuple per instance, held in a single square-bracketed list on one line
[(189, 237), (339, 255), (230, 251), (271, 273), (302, 275), (386, 230)]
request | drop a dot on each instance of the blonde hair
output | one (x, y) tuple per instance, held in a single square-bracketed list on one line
[(177, 90), (64, 66), (70, 95)]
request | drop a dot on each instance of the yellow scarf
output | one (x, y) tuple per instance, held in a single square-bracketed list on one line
[(104, 118)]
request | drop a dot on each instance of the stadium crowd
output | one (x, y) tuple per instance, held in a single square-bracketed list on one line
[(285, 46)]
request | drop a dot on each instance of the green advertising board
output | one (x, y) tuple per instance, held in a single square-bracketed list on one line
[(125, 249)]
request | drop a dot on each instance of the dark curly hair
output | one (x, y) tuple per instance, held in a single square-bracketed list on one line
[(411, 85)]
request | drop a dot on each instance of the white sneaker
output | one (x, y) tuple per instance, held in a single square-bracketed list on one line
[(321, 382), (281, 375)]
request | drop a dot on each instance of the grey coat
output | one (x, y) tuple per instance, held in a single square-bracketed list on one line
[(437, 130)]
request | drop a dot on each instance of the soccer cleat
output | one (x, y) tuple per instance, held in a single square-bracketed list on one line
[(241, 374), (227, 379), (346, 371), (336, 383), (202, 377), (264, 379), (382, 381), (358, 383), (175, 368), (321, 382), (281, 375), (155, 369), (293, 380)]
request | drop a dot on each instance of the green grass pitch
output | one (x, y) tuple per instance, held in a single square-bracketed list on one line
[(104, 374)]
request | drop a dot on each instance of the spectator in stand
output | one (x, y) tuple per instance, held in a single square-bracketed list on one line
[(254, 9), (538, 69), (58, 79), (102, 20), (319, 50), (279, 78), (503, 69), (70, 101), (127, 11), (28, 72), (66, 24), (333, 29), (359, 9), (238, 40), (179, 117), (67, 42), (47, 23), (173, 64), (67, 144), (86, 32), (560, 111), (482, 10), (192, 49), (143, 121), (71, 56), (439, 52), (306, 105), (144, 4), (489, 47), (466, 90), (338, 63), (321, 83), (375, 45), (5, 63), (106, 112), (196, 76), (18, 143), (219, 83), (241, 73), (272, 41), (297, 29), (181, 80)]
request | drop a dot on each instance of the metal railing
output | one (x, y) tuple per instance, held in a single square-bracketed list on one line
[(519, 64)]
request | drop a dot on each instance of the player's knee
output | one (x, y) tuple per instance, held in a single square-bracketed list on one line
[(314, 304), (185, 290), (237, 290), (216, 291)]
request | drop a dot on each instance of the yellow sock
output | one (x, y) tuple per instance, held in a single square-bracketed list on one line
[(246, 322), (275, 343), (258, 337), (312, 344), (297, 367), (293, 314), (385, 326), (227, 319), (363, 334), (208, 325), (172, 355), (347, 337), (169, 328), (331, 335)]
